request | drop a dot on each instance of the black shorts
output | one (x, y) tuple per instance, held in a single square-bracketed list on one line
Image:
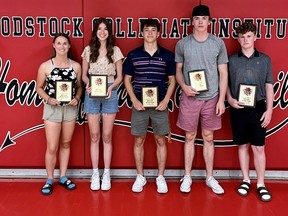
[(246, 125)]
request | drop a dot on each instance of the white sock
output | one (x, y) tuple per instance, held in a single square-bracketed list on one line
[(246, 180), (106, 171), (96, 171)]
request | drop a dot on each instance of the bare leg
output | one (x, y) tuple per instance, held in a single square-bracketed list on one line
[(108, 123), (208, 151), (189, 151), (259, 162), (244, 159), (161, 153), (139, 153), (52, 130), (94, 128), (64, 151)]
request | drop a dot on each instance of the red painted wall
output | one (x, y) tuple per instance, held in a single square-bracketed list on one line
[(26, 32)]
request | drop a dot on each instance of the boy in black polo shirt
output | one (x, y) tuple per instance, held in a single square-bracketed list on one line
[(253, 69)]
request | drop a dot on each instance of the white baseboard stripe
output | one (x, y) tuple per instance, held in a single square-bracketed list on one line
[(131, 173)]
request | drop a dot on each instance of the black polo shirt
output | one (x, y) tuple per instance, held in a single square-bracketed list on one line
[(255, 70)]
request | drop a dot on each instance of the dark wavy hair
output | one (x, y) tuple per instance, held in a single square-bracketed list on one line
[(246, 27), (68, 39), (95, 44)]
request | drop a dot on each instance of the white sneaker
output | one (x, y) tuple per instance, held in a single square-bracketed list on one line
[(185, 186), (139, 183), (161, 184), (106, 182), (95, 182), (214, 185)]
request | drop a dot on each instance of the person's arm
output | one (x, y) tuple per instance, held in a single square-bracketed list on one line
[(79, 89), (171, 86), (85, 67), (223, 83), (267, 115), (118, 79), (188, 90), (119, 70), (129, 88), (85, 78), (232, 101), (41, 77)]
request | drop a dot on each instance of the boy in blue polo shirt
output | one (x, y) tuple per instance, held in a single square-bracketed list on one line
[(149, 66)]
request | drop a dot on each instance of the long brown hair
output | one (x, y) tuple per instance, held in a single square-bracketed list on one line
[(68, 39), (95, 44)]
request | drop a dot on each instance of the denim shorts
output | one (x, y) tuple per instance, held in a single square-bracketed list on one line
[(101, 105), (59, 113)]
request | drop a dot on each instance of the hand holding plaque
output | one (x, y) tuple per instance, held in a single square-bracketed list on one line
[(247, 95), (150, 97), (63, 91), (197, 80), (98, 84)]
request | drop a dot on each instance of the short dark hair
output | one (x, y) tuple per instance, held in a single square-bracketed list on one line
[(150, 23), (246, 27)]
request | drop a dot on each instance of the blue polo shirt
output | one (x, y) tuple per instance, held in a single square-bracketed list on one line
[(150, 70)]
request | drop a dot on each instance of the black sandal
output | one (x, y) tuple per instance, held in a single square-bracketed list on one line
[(67, 184), (244, 186), (47, 189), (262, 191)]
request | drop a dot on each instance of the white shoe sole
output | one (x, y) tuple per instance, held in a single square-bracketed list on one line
[(185, 191), (138, 191), (216, 192), (94, 189), (162, 192), (106, 189)]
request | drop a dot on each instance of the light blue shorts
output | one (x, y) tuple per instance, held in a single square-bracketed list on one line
[(101, 105)]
